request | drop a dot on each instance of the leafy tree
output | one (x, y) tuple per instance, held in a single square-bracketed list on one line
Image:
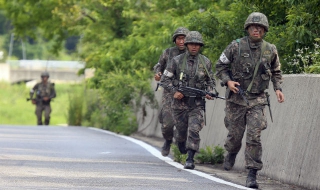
[(123, 39)]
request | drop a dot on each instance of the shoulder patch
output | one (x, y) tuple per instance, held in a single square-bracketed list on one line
[(223, 58), (167, 73)]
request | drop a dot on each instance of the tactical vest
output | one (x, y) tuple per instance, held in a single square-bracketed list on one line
[(199, 79), (246, 71), (44, 90)]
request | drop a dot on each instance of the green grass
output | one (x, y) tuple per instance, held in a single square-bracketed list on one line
[(15, 110)]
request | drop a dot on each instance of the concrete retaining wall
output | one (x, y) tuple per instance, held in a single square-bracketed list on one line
[(27, 70), (55, 75), (4, 72), (291, 145)]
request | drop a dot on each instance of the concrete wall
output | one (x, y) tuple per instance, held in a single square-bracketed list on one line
[(55, 75), (26, 70), (291, 151), (4, 72)]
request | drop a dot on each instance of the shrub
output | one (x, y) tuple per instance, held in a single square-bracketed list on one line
[(210, 156), (306, 60), (178, 157), (75, 109)]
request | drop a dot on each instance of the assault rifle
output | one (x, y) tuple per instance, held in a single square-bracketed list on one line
[(33, 99), (193, 92), (240, 90)]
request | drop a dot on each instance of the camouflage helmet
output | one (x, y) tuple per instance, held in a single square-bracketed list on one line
[(257, 18), (180, 31), (45, 74), (194, 37)]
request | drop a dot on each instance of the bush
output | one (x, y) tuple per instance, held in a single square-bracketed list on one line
[(210, 156), (306, 60), (178, 157), (75, 109)]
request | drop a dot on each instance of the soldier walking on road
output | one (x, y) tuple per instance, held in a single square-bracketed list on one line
[(193, 70), (165, 115), (248, 63), (44, 93)]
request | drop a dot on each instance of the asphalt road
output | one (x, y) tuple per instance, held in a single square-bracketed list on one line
[(84, 158)]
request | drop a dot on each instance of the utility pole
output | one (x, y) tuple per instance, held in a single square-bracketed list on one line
[(24, 57), (11, 45)]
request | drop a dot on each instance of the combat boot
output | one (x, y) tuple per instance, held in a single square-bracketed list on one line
[(182, 147), (229, 161), (166, 148), (190, 162), (252, 179)]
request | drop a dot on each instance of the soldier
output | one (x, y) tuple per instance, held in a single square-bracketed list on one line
[(165, 115), (248, 63), (194, 70), (44, 93)]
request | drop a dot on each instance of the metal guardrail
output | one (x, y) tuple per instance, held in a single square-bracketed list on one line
[(45, 64)]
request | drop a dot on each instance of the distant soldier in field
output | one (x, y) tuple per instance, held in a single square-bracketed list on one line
[(44, 92), (165, 115)]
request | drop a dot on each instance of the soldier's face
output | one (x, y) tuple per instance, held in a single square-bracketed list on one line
[(45, 79), (180, 42), (193, 48), (256, 31)]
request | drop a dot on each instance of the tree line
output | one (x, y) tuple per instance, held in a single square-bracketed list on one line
[(123, 39)]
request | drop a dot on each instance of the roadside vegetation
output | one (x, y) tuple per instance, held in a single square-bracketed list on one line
[(122, 41), (208, 155)]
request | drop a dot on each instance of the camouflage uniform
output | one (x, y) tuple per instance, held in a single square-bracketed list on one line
[(165, 115), (43, 90), (189, 115), (239, 59)]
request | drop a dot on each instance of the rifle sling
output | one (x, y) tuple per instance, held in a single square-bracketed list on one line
[(263, 49)]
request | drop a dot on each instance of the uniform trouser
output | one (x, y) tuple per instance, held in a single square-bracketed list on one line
[(189, 123), (166, 117), (47, 110), (237, 119)]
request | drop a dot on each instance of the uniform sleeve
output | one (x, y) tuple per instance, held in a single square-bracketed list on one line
[(223, 63), (53, 92), (161, 65), (33, 90), (169, 76), (211, 82), (276, 77)]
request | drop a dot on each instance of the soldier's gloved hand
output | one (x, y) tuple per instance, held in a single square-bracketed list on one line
[(280, 96), (178, 95), (157, 76), (33, 101), (209, 97), (232, 85), (46, 98)]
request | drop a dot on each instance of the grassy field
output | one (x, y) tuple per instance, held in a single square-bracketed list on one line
[(15, 110)]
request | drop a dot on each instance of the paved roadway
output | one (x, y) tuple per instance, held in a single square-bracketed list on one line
[(86, 158)]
